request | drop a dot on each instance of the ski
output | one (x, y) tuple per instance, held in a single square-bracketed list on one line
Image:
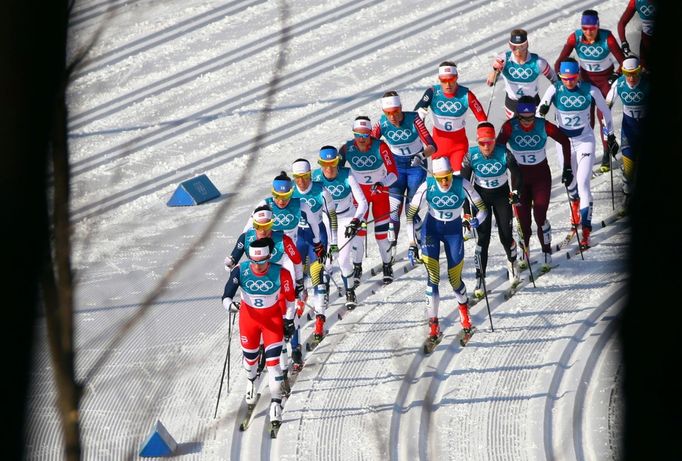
[(566, 241), (313, 343), (431, 343), (244, 425)]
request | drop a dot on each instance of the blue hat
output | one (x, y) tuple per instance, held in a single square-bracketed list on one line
[(525, 108), (328, 153), (569, 69), (589, 18), (281, 186)]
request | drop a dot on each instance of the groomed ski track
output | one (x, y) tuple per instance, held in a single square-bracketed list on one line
[(161, 105)]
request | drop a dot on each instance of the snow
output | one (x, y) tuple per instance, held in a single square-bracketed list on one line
[(174, 90)]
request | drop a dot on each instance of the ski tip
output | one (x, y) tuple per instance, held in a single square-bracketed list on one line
[(307, 347), (242, 427), (568, 255), (339, 316), (603, 224), (406, 270), (373, 272), (309, 317)]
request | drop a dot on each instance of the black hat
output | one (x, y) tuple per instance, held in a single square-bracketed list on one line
[(518, 37)]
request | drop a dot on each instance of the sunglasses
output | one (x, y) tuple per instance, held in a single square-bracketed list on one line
[(526, 118), (360, 135), (486, 143), (260, 262), (302, 175), (589, 28), (282, 195), (569, 79), (324, 163), (519, 47), (263, 225), (440, 177), (395, 111), (447, 79), (632, 72)]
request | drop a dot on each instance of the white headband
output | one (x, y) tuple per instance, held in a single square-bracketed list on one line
[(301, 166), (441, 165), (389, 102), (256, 252), (362, 123), (262, 216), (447, 71)]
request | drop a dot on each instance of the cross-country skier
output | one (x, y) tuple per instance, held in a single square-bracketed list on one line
[(410, 142), (632, 88), (526, 136), (572, 100), (449, 103), (521, 70), (486, 165), (373, 167), (594, 47), (265, 286), (284, 253), (646, 11), (444, 195), (320, 202), (351, 206)]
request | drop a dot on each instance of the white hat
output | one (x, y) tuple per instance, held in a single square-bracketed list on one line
[(300, 166), (258, 251), (631, 64), (447, 71), (362, 124), (262, 216), (389, 102), (441, 165)]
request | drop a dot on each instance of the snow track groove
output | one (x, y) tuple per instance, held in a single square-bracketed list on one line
[(280, 133)]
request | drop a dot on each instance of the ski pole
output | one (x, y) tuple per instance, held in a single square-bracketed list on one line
[(575, 226), (477, 263), (613, 198), (230, 321), (492, 95), (523, 240)]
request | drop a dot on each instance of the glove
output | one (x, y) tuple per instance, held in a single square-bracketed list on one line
[(319, 251), (612, 78), (352, 228), (300, 287), (473, 222), (229, 263), (417, 160), (543, 110), (413, 254), (612, 145), (333, 249), (377, 187), (289, 328), (513, 197), (230, 305), (567, 176), (625, 46)]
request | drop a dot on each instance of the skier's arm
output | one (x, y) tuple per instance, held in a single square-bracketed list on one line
[(612, 95), (624, 19), (466, 171), (231, 287), (239, 248), (389, 162), (504, 134), (614, 47), (342, 156), (565, 51), (376, 130), (546, 100), (476, 199), (476, 107), (313, 220), (604, 108), (330, 209), (515, 172), (556, 134), (413, 209), (547, 70), (292, 253), (430, 146), (359, 197), (422, 107), (287, 292)]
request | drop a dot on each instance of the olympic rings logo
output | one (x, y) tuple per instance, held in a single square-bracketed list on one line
[(336, 190), (572, 101), (360, 162), (310, 201), (647, 10), (449, 106), (283, 219), (399, 135), (259, 285), (520, 73), (443, 201), (489, 168), (592, 51), (527, 140), (632, 97)]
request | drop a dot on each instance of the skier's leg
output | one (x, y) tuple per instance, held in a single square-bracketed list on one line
[(585, 161)]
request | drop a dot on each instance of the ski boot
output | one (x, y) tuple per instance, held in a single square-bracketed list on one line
[(275, 417), (547, 263), (251, 394), (513, 270), (585, 241), (479, 292), (319, 327), (575, 212), (388, 273), (351, 300), (435, 336), (357, 274), (464, 319), (297, 360), (605, 166)]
